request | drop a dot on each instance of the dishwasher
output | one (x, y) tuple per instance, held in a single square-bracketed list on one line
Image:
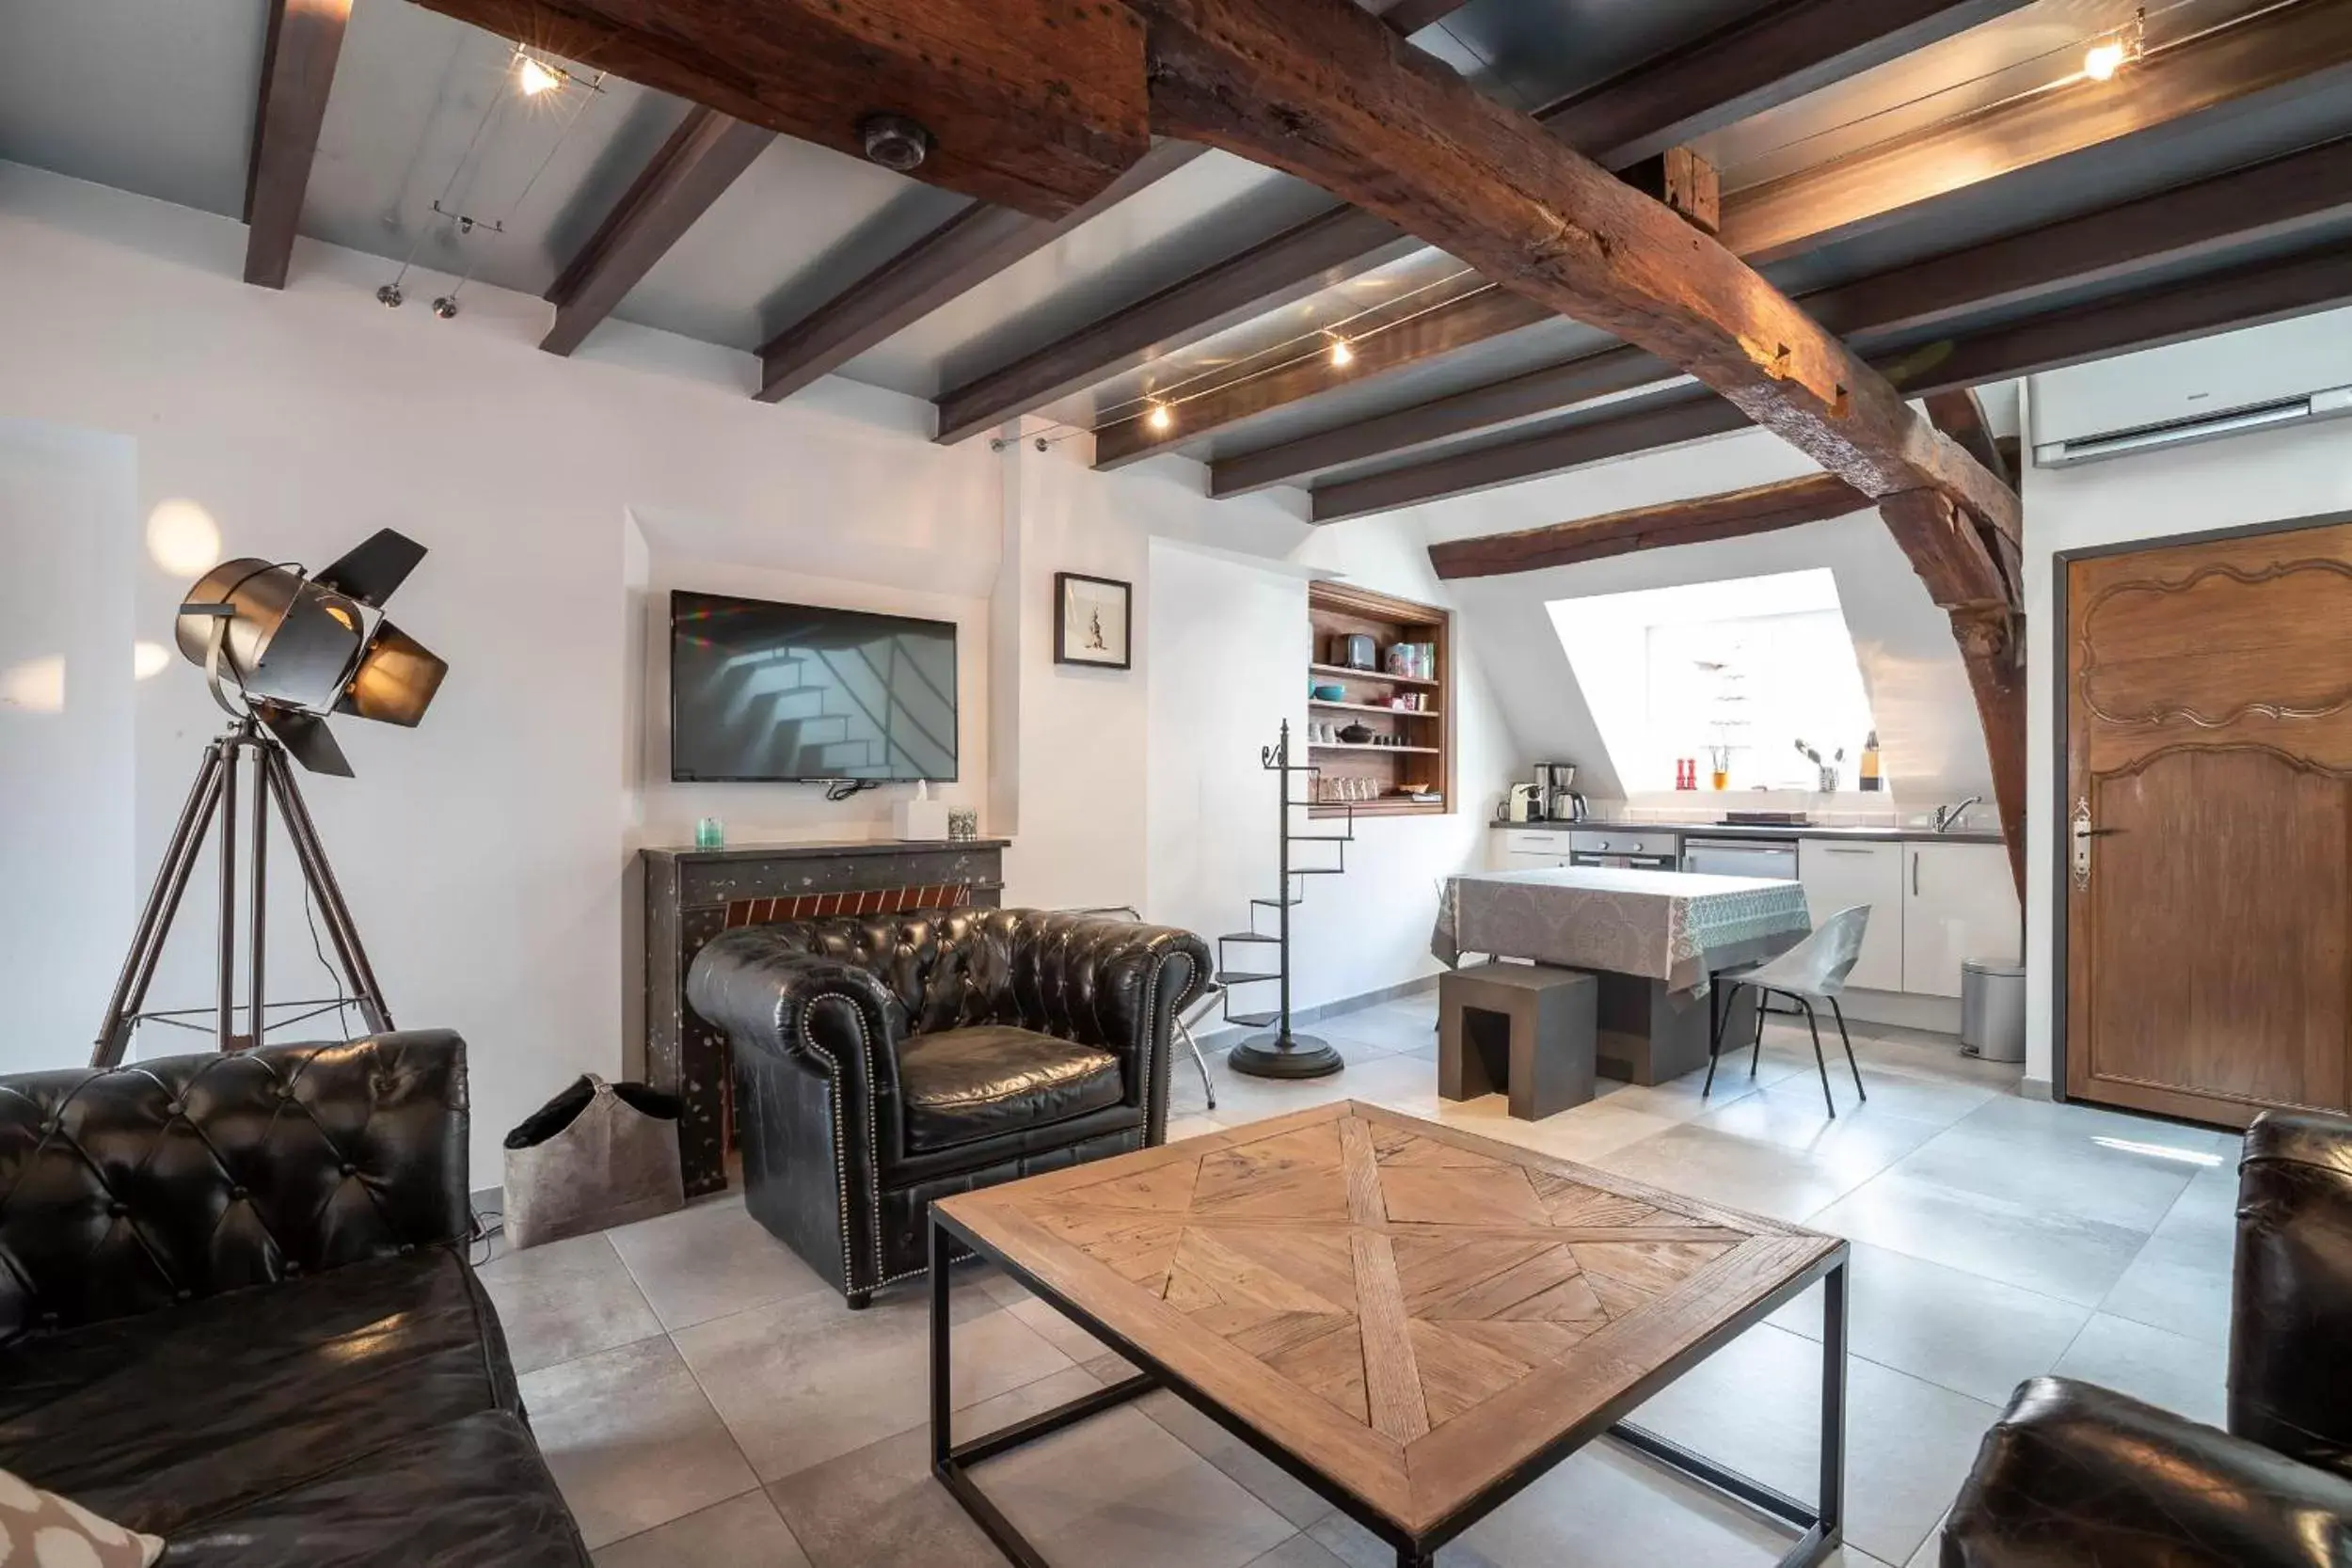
[(1773, 857)]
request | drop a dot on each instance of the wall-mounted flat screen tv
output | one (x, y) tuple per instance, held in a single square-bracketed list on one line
[(793, 693)]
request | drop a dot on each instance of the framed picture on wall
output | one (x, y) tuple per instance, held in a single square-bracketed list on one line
[(1090, 622)]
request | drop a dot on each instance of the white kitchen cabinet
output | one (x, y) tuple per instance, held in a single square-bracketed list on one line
[(1534, 848), (1959, 903), (1839, 876)]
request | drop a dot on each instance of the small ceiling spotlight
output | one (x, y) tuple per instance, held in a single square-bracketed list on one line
[(1342, 356), (446, 306), (390, 296), (894, 141), (533, 77), (2103, 59), (1162, 417)]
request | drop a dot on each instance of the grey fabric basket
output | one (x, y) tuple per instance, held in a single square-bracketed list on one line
[(597, 1155)]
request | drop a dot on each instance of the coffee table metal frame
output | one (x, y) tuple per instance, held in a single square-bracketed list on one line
[(1819, 1525)]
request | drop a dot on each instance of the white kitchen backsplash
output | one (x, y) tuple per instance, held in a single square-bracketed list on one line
[(1845, 809)]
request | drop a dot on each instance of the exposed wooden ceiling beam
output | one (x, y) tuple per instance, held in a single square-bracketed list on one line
[(1033, 106), (1733, 514), (2241, 296), (2233, 61), (1959, 414), (298, 57), (957, 256), (2263, 199), (702, 158), (1779, 56), (2243, 60)]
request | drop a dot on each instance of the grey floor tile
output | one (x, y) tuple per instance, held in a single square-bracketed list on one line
[(1603, 1508), (1582, 1134), (1755, 1406), (1192, 1126), (631, 1440), (2188, 1376), (1301, 1551), (741, 1532), (1266, 1480), (710, 1260), (1930, 1552), (1862, 1138), (879, 1506), (1121, 1489), (2028, 1246), (1741, 1173), (2190, 1147), (1958, 1330), (801, 1381), (2178, 1283), (566, 1299), (2065, 1175), (1056, 1330)]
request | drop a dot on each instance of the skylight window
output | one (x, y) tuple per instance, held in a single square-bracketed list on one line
[(1736, 673)]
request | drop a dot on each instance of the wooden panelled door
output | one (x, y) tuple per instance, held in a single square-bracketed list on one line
[(2209, 756)]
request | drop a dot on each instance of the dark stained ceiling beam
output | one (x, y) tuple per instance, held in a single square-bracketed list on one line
[(1787, 52), (1035, 106), (1316, 88), (1960, 414), (2262, 199), (303, 40), (2230, 62), (957, 256), (703, 157), (2222, 302), (1733, 514)]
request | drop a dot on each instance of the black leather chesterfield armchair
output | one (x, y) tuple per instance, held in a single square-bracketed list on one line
[(2075, 1474), (236, 1312), (884, 1061)]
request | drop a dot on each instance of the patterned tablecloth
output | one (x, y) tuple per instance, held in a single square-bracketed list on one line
[(1658, 923)]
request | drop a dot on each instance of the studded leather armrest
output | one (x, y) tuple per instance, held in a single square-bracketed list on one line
[(126, 1190), (826, 1014), (2075, 1474), (1113, 984)]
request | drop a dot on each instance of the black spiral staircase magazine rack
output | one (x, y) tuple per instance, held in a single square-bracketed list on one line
[(1280, 1053)]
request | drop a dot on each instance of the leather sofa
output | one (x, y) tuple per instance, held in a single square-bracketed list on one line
[(2075, 1474), (235, 1311), (884, 1061)]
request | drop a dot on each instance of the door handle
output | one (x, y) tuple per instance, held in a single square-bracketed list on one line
[(1914, 873), (1836, 850), (2083, 833)]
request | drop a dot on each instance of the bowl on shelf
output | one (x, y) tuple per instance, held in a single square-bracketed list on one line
[(1330, 691)]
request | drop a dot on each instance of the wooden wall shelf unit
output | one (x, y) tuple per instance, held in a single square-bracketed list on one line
[(1417, 747)]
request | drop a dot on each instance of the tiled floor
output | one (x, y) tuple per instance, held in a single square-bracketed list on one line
[(705, 1400)]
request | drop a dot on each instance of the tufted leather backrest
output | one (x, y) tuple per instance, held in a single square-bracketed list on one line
[(1080, 976), (2290, 1319), (126, 1190)]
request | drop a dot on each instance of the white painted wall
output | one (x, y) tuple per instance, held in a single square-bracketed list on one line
[(2304, 471), (489, 855), (1933, 749), (68, 535)]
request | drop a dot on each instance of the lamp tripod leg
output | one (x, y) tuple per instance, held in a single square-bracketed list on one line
[(341, 929), (163, 904)]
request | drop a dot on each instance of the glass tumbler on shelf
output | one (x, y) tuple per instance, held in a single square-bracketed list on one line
[(710, 833)]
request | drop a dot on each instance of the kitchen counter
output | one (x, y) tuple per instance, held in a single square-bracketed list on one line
[(1749, 830)]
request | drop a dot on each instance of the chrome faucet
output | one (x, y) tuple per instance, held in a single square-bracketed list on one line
[(1947, 817)]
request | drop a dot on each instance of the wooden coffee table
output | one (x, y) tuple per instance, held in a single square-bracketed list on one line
[(1413, 1321)]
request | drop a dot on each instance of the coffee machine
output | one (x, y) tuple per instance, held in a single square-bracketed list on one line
[(1555, 792)]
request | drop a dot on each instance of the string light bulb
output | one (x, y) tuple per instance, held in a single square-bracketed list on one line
[(1341, 355), (1161, 417), (532, 77), (2103, 60)]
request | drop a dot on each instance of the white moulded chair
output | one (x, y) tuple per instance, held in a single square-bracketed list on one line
[(1812, 972)]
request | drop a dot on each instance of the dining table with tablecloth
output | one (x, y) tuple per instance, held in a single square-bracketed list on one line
[(1654, 939)]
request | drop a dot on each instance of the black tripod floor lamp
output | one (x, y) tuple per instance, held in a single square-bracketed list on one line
[(280, 650)]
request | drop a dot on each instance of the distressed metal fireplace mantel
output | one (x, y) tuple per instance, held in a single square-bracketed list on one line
[(689, 895)]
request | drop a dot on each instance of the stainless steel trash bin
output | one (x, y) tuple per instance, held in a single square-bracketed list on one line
[(1992, 1011)]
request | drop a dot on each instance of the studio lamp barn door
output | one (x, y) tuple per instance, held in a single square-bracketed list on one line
[(2208, 880)]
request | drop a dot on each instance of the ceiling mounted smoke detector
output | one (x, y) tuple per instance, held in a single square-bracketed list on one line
[(895, 141)]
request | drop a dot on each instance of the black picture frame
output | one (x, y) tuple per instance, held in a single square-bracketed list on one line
[(1091, 659)]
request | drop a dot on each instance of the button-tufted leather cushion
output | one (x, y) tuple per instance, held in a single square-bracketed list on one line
[(965, 1084), (128, 1190)]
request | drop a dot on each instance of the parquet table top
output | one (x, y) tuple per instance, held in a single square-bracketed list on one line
[(1409, 1309)]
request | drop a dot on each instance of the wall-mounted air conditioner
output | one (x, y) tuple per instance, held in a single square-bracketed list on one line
[(2257, 379)]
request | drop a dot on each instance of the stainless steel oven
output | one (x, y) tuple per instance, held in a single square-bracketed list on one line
[(1641, 851)]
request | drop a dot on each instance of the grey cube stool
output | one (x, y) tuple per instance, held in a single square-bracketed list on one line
[(1527, 1030)]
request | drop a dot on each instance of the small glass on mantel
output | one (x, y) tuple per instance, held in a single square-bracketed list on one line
[(710, 833)]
